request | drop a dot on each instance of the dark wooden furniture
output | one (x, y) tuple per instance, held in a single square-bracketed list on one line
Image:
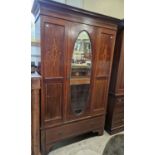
[(74, 84), (115, 109), (35, 114)]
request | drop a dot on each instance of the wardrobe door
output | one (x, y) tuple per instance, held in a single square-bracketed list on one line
[(54, 47), (80, 70), (104, 55)]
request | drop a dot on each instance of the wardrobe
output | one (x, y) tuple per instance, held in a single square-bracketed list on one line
[(76, 53), (115, 110)]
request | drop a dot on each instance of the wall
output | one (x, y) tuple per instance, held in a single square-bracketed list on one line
[(76, 3), (113, 8)]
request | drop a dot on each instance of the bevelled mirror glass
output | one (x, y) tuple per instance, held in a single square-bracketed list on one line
[(81, 65)]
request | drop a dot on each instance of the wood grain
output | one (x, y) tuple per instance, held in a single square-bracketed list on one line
[(35, 115)]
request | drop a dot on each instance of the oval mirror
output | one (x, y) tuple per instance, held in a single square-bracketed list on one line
[(81, 65)]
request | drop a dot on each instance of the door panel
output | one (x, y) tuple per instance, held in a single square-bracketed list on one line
[(54, 47), (53, 101), (100, 91), (104, 55), (54, 50)]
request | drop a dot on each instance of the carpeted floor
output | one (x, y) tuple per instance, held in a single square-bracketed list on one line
[(89, 144)]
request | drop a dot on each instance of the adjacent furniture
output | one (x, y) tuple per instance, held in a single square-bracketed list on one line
[(76, 48), (115, 109), (35, 113)]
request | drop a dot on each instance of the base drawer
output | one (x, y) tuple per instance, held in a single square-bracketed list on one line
[(118, 116), (118, 123), (73, 129)]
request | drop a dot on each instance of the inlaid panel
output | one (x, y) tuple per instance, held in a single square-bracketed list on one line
[(100, 94), (54, 101), (54, 50), (104, 55)]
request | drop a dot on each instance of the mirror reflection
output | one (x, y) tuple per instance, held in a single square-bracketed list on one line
[(81, 59)]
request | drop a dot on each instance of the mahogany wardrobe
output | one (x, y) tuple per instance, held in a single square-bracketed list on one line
[(76, 50)]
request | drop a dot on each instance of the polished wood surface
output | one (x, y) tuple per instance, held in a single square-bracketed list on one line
[(104, 56), (73, 129), (78, 81), (59, 29), (115, 109), (54, 36), (106, 40), (53, 111), (54, 43), (35, 114)]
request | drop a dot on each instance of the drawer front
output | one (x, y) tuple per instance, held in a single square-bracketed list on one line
[(119, 102), (73, 129), (117, 117), (119, 106), (118, 114), (118, 124)]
